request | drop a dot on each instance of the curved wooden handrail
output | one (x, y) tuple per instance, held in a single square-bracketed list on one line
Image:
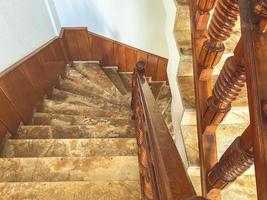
[(163, 175)]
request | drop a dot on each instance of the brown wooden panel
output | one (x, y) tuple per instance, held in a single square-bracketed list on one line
[(142, 56), (72, 45), (35, 72), (3, 132), (108, 53), (130, 59), (121, 55), (20, 92), (60, 58), (83, 41), (8, 115), (161, 74), (152, 64), (96, 45)]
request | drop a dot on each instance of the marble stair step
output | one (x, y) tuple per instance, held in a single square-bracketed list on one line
[(91, 101), (114, 76), (77, 77), (98, 122), (244, 188), (155, 87), (186, 85), (78, 190), (225, 135), (164, 98), (59, 107), (76, 131), (94, 72), (126, 78), (94, 168), (69, 147), (69, 85)]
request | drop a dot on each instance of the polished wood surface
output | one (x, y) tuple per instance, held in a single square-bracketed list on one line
[(24, 84), (255, 50), (162, 172), (84, 45)]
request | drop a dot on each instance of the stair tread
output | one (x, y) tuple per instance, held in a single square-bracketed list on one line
[(93, 168), (69, 147), (75, 131), (82, 90), (61, 119), (94, 72), (91, 101), (77, 77), (60, 107), (114, 76), (164, 98), (127, 80), (82, 190), (155, 88)]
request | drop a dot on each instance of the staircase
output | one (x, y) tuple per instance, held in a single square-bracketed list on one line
[(81, 142)]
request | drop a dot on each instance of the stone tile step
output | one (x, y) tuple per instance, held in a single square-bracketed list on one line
[(243, 188), (69, 85), (78, 190), (94, 168), (94, 72), (186, 86), (99, 122), (126, 78), (112, 73), (225, 135), (77, 77), (69, 147), (91, 101), (235, 116), (164, 98), (78, 131), (59, 107), (155, 87)]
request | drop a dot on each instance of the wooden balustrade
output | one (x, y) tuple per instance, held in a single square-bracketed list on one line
[(162, 172), (265, 107), (228, 86), (203, 13), (221, 25)]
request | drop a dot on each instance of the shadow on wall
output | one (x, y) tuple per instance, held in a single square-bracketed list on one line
[(89, 14)]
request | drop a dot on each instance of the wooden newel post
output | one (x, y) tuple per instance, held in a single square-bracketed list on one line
[(233, 163), (220, 28)]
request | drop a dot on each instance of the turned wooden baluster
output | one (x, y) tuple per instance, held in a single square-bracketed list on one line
[(228, 86), (220, 28), (234, 162), (203, 13)]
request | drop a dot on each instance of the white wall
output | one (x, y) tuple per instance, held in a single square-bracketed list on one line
[(139, 23), (25, 26), (172, 70)]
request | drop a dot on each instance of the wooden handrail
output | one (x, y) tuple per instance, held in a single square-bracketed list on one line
[(163, 175)]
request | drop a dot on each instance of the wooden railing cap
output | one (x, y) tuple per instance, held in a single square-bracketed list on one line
[(140, 67)]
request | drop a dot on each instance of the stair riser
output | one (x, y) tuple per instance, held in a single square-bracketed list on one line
[(68, 132), (69, 148)]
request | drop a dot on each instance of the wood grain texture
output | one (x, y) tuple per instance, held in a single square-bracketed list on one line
[(3, 131), (110, 52), (24, 84)]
